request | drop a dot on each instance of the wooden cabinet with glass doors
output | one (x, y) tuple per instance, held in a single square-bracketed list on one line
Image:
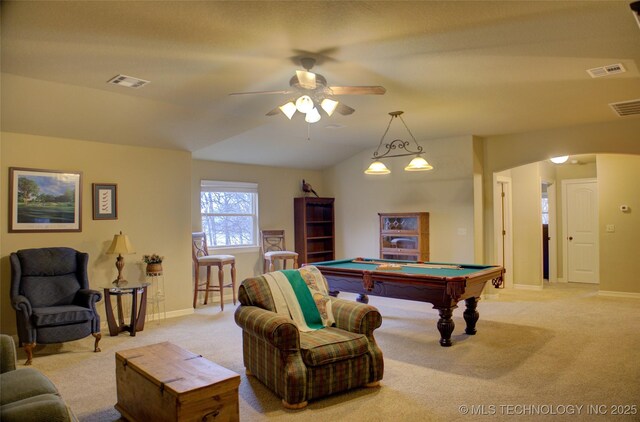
[(404, 236)]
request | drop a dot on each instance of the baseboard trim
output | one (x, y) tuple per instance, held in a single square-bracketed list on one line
[(527, 287), (611, 293)]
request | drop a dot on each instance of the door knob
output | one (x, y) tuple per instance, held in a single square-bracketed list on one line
[(570, 237)]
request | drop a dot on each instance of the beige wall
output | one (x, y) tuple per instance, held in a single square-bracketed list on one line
[(527, 226), (618, 177), (509, 151), (153, 210), (276, 189), (447, 193)]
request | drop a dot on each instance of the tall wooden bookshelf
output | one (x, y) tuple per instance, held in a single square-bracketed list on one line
[(404, 236), (314, 229)]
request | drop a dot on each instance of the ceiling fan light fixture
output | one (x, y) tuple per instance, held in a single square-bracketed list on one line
[(329, 106), (306, 79), (312, 115), (418, 164), (289, 109), (304, 104), (559, 160), (377, 167)]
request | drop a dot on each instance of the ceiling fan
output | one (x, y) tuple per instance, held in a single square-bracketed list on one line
[(310, 90)]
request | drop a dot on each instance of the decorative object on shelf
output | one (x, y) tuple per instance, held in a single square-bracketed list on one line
[(307, 188), (120, 245), (417, 164), (105, 201), (44, 200), (154, 263)]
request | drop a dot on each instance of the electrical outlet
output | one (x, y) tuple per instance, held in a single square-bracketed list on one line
[(610, 228)]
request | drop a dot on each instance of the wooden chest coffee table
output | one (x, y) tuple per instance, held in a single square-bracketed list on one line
[(164, 382)]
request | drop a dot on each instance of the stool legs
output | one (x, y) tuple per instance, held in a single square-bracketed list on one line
[(233, 281), (206, 288), (220, 284), (196, 273)]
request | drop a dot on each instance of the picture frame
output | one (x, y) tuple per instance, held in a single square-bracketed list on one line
[(44, 200), (105, 201)]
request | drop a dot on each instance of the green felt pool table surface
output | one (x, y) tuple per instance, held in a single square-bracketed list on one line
[(441, 284), (463, 270)]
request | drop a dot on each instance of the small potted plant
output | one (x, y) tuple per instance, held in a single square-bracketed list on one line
[(154, 263)]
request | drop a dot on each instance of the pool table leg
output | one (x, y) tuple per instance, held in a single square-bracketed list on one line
[(471, 315), (445, 326)]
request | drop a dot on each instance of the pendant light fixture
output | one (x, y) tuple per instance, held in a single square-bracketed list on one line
[(418, 163)]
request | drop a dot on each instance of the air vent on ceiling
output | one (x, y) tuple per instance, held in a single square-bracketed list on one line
[(626, 108), (127, 81), (611, 69)]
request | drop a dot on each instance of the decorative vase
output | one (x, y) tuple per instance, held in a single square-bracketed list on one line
[(154, 269)]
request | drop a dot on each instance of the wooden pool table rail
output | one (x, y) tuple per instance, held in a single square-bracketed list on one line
[(442, 292)]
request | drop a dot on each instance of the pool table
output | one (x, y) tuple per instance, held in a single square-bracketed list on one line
[(442, 285)]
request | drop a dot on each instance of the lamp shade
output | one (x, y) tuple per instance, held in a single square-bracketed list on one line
[(304, 104), (312, 116), (120, 245), (377, 167), (329, 105), (559, 160), (418, 164), (289, 109)]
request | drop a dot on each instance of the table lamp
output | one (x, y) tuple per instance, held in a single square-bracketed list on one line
[(120, 245)]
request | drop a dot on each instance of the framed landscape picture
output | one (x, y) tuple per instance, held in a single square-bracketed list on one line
[(44, 200), (105, 201)]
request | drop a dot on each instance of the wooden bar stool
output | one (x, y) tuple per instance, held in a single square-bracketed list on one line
[(273, 249), (201, 258)]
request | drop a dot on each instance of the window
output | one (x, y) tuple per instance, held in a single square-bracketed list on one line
[(229, 212), (545, 208)]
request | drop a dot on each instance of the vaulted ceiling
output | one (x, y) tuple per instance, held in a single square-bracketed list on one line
[(454, 67)]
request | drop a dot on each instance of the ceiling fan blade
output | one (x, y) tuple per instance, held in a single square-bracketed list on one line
[(273, 112), (263, 92), (357, 90), (307, 80), (345, 110)]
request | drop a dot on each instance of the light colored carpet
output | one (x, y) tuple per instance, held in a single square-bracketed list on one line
[(564, 352)]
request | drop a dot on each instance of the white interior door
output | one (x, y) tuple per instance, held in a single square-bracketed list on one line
[(581, 230)]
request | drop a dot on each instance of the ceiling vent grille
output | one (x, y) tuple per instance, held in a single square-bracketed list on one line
[(611, 69), (626, 108), (127, 81)]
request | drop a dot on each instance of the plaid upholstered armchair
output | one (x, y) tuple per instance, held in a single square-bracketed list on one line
[(50, 293), (300, 366)]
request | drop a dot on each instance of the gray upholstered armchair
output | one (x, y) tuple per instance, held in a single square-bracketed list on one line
[(50, 293)]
